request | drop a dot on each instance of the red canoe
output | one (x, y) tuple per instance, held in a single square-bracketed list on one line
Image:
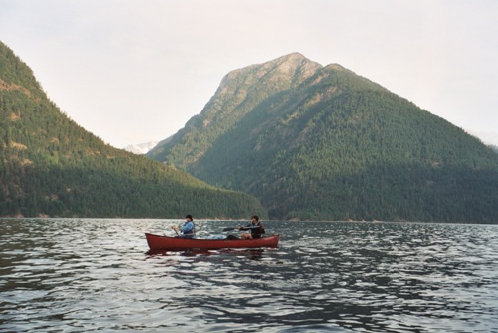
[(165, 243)]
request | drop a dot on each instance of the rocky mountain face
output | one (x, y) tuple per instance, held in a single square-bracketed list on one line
[(320, 142)]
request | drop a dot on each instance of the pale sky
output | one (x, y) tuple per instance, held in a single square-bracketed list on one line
[(133, 71)]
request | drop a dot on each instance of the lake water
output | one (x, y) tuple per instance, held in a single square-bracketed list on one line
[(82, 275)]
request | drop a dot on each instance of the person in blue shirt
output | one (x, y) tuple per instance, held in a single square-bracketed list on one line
[(188, 229)]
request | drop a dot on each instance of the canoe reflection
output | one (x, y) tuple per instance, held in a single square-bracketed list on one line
[(253, 254)]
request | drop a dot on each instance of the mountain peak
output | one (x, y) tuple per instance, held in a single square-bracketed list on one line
[(323, 143), (292, 57), (295, 63), (336, 67), (141, 148), (293, 67)]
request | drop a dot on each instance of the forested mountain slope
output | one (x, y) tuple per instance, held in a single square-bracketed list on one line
[(51, 166), (316, 142)]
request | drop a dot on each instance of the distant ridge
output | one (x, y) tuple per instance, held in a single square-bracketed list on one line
[(141, 148), (322, 143), (51, 166)]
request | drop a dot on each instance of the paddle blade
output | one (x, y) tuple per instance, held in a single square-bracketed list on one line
[(228, 229)]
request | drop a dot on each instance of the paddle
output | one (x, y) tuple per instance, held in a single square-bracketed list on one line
[(250, 227)]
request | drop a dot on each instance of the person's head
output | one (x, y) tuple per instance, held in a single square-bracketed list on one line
[(189, 217), (255, 219)]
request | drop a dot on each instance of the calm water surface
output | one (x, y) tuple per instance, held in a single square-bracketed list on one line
[(96, 275)]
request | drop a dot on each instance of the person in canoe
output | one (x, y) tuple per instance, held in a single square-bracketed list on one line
[(188, 229), (257, 229)]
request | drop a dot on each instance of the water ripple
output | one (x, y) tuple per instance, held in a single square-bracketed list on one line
[(92, 275)]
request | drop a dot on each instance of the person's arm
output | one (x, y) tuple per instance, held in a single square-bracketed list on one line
[(187, 227), (247, 227)]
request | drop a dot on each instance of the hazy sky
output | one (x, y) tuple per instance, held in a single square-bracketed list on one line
[(136, 71)]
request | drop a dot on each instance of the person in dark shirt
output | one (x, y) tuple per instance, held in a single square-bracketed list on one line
[(257, 229)]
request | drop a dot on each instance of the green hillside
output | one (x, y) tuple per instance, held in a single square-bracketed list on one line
[(315, 142), (49, 165)]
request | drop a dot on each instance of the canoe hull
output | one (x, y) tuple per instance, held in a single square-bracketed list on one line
[(165, 243)]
